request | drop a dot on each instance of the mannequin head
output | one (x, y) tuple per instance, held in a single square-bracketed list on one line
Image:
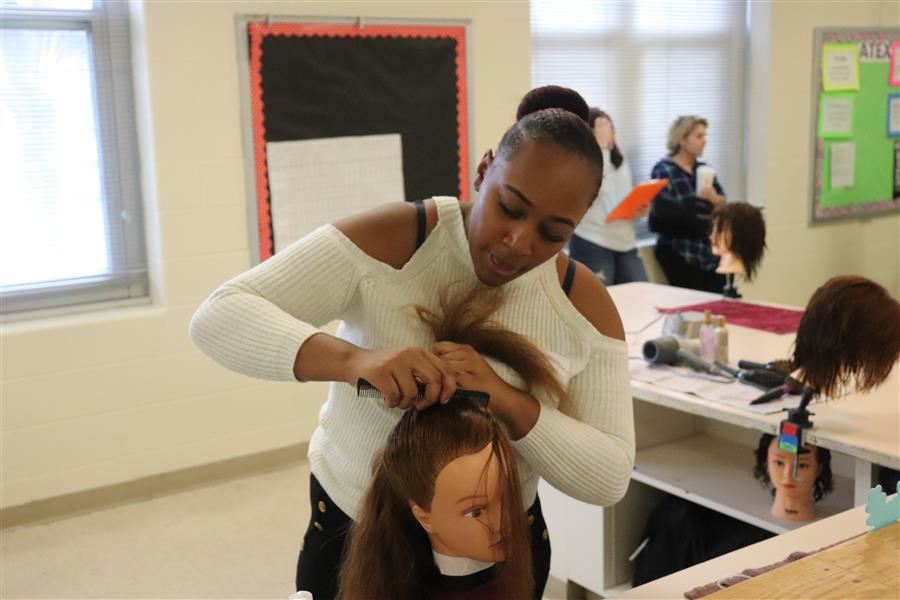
[(445, 481), (793, 497), (465, 516), (739, 237), (849, 335)]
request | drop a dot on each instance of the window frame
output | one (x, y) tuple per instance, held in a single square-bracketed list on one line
[(107, 26)]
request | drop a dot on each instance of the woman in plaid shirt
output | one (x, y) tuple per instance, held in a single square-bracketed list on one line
[(680, 216)]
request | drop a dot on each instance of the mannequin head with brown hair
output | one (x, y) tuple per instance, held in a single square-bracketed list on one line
[(849, 334), (445, 482), (739, 237)]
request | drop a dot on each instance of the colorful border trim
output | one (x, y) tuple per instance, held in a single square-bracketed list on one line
[(258, 31)]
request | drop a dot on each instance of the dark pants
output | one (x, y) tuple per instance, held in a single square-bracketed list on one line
[(323, 546), (681, 273)]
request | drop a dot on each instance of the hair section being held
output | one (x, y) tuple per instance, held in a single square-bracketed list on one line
[(389, 556), (466, 319)]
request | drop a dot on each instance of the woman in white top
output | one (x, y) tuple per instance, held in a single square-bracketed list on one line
[(609, 249), (370, 271)]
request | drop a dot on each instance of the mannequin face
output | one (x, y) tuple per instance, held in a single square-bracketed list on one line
[(730, 263), (721, 246), (466, 511), (781, 463), (720, 242)]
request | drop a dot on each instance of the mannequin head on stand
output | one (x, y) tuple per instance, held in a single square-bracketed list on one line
[(793, 498), (444, 487), (738, 237)]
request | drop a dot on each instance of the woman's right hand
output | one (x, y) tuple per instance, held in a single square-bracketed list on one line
[(398, 374)]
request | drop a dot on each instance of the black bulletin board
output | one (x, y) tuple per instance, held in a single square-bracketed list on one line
[(327, 80)]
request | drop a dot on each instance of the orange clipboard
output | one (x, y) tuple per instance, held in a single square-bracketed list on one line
[(639, 197)]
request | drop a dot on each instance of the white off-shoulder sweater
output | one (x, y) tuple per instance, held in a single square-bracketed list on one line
[(255, 323)]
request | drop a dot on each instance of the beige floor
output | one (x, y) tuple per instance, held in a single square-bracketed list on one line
[(232, 540)]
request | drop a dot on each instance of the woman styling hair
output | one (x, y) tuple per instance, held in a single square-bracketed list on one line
[(369, 270), (443, 516)]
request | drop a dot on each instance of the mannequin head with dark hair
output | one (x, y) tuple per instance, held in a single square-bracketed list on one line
[(739, 237)]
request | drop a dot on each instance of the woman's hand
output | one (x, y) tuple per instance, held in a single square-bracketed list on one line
[(709, 193), (399, 373), (469, 367), (518, 410)]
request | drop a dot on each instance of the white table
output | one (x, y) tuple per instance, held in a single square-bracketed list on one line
[(702, 450)]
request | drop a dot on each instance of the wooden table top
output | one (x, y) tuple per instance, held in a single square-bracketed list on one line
[(864, 567)]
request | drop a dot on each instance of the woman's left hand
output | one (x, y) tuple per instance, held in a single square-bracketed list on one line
[(518, 410), (469, 367)]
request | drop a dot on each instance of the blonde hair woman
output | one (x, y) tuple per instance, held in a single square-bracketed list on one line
[(680, 213)]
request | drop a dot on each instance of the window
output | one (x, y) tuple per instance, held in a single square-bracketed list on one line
[(71, 222), (645, 62)]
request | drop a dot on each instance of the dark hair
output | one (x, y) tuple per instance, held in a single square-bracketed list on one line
[(824, 483), (388, 554), (744, 229), (615, 155), (554, 115), (850, 330), (553, 96)]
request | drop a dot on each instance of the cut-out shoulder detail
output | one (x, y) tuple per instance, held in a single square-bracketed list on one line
[(387, 233), (589, 296)]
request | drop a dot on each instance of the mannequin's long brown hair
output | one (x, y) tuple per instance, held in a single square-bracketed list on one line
[(388, 555), (466, 319)]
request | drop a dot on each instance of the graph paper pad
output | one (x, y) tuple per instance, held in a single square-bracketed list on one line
[(314, 182)]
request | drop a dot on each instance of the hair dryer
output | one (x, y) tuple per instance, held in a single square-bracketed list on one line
[(666, 350)]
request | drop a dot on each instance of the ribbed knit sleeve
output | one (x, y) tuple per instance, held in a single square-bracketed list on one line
[(255, 323), (585, 449)]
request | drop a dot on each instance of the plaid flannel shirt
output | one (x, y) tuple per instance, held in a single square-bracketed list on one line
[(681, 191)]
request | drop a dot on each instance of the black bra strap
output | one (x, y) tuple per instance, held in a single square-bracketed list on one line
[(421, 224), (570, 276)]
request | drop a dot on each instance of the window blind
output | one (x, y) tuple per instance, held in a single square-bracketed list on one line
[(71, 219), (645, 62)]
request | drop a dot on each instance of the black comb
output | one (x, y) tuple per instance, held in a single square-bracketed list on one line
[(364, 389)]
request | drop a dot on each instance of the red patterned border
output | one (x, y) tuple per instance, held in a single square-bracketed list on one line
[(258, 31)]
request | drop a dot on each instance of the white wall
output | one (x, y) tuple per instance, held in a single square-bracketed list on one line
[(94, 400), (802, 257), (112, 396)]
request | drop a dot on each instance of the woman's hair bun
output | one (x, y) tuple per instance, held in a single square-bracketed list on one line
[(553, 96)]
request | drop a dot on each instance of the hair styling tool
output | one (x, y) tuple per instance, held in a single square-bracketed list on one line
[(779, 366), (792, 431), (665, 350), (364, 389)]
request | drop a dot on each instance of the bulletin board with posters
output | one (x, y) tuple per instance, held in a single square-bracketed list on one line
[(345, 114), (856, 123)]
